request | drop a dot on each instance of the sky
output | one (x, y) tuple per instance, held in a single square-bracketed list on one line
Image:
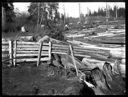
[(72, 8)]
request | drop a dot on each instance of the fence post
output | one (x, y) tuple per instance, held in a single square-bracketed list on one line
[(50, 46), (10, 52), (39, 53), (73, 59), (14, 50)]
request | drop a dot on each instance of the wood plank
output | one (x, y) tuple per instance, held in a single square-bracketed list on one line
[(5, 42), (31, 52), (82, 53), (90, 53), (32, 59), (27, 52), (10, 52), (27, 46), (66, 46), (39, 53), (29, 43), (77, 48), (19, 55), (32, 48), (3, 50), (50, 46), (15, 49), (73, 59), (42, 54)]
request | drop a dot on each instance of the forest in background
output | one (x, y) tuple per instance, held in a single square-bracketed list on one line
[(47, 14)]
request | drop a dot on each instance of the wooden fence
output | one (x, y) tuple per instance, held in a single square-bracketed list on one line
[(20, 51)]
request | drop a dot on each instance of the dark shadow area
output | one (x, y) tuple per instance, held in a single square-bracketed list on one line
[(86, 90)]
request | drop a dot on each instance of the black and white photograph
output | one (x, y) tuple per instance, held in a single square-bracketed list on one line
[(63, 48)]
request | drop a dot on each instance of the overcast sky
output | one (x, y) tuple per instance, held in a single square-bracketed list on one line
[(72, 9)]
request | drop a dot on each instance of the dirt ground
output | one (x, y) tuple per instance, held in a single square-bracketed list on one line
[(27, 79)]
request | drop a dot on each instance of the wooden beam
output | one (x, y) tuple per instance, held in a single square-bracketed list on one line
[(39, 53), (15, 49), (31, 55), (5, 49), (27, 46), (32, 52), (32, 59), (32, 48), (5, 42), (10, 51), (73, 59), (81, 48), (31, 45), (28, 43), (24, 43), (50, 48)]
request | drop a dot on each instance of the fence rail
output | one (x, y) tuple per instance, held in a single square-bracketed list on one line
[(27, 51)]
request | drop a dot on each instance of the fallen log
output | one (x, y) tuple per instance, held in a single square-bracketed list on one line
[(117, 53)]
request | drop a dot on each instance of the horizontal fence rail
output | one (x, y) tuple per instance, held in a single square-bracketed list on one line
[(35, 51)]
